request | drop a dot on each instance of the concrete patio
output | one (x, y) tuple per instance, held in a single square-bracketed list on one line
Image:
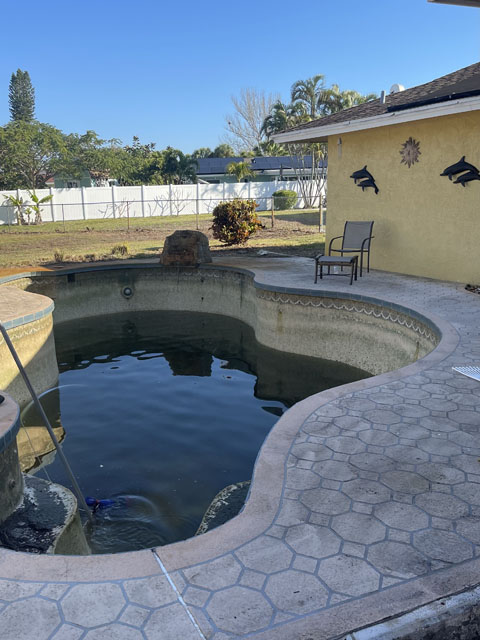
[(365, 505)]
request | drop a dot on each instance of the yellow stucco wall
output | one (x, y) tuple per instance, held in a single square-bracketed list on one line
[(425, 224)]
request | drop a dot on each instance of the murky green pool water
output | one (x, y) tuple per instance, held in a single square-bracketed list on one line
[(161, 410)]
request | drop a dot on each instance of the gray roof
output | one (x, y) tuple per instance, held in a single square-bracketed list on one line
[(459, 84), (214, 166)]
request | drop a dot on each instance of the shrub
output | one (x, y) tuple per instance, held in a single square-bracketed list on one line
[(235, 221), (284, 199), (58, 255), (120, 250)]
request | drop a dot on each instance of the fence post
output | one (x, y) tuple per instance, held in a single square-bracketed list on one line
[(249, 190), (273, 211), (143, 200), (198, 202), (170, 198), (113, 200), (50, 191), (21, 208), (223, 195), (84, 211)]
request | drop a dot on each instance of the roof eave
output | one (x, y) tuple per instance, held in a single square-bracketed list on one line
[(322, 132)]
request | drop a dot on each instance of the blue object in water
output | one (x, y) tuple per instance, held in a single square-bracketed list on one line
[(99, 504), (103, 504)]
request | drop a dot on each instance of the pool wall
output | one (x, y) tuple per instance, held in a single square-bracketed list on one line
[(362, 332)]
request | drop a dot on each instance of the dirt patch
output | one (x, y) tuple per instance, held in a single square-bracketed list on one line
[(291, 235)]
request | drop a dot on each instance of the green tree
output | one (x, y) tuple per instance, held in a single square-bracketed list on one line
[(240, 170), (36, 207), (203, 152), (178, 168), (30, 152), (333, 100), (307, 92), (223, 151), (21, 97), (18, 205), (282, 116)]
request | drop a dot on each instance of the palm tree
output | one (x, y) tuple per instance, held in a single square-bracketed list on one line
[(240, 170), (283, 116), (307, 92), (332, 100)]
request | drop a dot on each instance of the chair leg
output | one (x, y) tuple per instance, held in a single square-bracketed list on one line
[(321, 271), (316, 271), (356, 267), (352, 267), (361, 264), (368, 261)]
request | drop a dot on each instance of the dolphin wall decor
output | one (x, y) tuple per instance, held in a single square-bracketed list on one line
[(360, 174), (467, 177), (364, 179), (369, 182), (459, 167)]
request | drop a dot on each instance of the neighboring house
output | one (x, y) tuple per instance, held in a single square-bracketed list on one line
[(88, 179), (427, 209), (265, 169)]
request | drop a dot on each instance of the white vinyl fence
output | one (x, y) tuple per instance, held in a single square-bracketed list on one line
[(88, 203)]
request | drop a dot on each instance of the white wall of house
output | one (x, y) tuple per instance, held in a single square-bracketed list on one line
[(88, 203)]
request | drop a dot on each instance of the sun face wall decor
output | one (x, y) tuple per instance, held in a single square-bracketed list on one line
[(410, 152)]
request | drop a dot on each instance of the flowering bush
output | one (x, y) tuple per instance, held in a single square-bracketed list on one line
[(235, 221)]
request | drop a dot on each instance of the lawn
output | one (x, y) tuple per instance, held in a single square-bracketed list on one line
[(294, 233)]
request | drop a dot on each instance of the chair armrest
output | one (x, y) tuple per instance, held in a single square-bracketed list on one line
[(366, 240), (320, 255), (331, 242)]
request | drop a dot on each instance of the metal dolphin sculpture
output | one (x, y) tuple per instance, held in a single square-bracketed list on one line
[(361, 173), (467, 177), (370, 182), (458, 167)]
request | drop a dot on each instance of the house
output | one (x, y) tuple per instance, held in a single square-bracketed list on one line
[(421, 148), (265, 168), (88, 179)]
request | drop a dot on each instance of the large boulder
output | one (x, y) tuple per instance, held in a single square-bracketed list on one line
[(185, 249)]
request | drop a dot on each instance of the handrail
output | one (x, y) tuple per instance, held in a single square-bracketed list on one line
[(46, 421)]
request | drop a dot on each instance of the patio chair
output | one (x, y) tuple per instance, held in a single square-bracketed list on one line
[(357, 237)]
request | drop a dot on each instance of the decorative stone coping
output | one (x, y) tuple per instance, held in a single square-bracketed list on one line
[(19, 307), (364, 505)]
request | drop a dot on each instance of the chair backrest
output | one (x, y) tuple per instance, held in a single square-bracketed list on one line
[(355, 233)]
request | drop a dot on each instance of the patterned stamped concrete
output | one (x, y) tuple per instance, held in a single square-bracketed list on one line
[(376, 511)]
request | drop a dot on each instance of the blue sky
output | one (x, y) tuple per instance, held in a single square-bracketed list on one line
[(166, 71)]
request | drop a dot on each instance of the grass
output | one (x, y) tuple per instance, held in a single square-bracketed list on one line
[(294, 232)]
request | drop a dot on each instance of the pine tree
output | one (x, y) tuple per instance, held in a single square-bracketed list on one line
[(21, 97)]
